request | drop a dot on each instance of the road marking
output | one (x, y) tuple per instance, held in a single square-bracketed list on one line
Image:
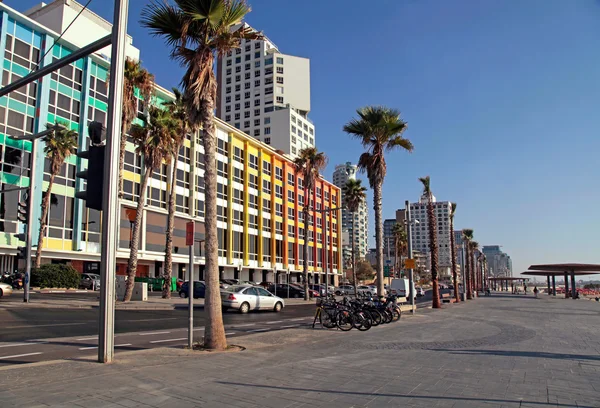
[(88, 338), (23, 344), (45, 325), (19, 355), (95, 347), (299, 318), (151, 320), (229, 334), (258, 330), (164, 341), (244, 325), (275, 321), (291, 325), (199, 328), (152, 333)]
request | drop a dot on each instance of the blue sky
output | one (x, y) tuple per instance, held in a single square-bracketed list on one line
[(501, 99)]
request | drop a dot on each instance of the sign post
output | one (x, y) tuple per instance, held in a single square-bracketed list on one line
[(189, 241)]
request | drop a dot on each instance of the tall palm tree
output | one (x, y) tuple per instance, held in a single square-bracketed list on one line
[(453, 253), (59, 145), (178, 110), (400, 244), (134, 77), (474, 275), (197, 31), (354, 194), (379, 129), (433, 246), (153, 141), (467, 235), (309, 163)]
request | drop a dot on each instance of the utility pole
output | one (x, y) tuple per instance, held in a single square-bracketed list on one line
[(110, 204), (410, 256), (189, 238)]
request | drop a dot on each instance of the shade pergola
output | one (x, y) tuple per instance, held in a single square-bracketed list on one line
[(573, 269), (504, 280)]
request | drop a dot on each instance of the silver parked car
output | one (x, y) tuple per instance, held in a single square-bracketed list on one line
[(5, 289), (245, 298), (344, 290)]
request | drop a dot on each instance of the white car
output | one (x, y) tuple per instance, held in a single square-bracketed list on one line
[(5, 289), (245, 298), (420, 292)]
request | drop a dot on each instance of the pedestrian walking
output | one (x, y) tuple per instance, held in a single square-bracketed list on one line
[(535, 291)]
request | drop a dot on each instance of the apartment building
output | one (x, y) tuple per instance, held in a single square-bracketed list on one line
[(420, 232), (260, 196), (360, 228), (266, 94)]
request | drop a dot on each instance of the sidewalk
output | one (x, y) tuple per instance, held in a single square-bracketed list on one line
[(501, 351)]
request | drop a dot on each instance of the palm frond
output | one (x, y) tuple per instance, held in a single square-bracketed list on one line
[(165, 20)]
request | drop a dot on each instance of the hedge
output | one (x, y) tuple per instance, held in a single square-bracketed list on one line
[(55, 276)]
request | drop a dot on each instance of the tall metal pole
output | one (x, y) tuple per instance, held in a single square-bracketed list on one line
[(28, 241), (410, 256), (110, 203), (191, 299), (326, 260)]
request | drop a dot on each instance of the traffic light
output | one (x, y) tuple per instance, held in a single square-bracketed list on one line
[(22, 252), (23, 209), (95, 170)]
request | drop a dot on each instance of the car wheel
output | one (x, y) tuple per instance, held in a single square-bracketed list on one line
[(1, 293), (338, 293), (182, 295), (278, 307), (244, 308)]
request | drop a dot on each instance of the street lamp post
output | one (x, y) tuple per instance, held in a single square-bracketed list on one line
[(410, 254)]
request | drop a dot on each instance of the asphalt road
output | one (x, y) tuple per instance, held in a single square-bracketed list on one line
[(40, 334)]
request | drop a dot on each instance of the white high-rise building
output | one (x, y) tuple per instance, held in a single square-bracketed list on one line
[(266, 94), (420, 232), (341, 174)]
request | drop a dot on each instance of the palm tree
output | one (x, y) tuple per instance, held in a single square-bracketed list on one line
[(309, 163), (453, 253), (134, 77), (380, 130), (178, 110), (196, 31), (59, 145), (400, 244), (354, 195), (467, 235), (153, 141), (474, 246), (433, 246)]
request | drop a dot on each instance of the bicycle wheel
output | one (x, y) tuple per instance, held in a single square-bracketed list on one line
[(377, 318), (397, 313), (344, 320), (388, 317), (326, 319), (361, 321)]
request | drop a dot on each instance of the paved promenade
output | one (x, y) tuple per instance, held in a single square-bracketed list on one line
[(502, 351)]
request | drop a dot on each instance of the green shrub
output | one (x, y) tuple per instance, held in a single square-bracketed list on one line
[(55, 276)]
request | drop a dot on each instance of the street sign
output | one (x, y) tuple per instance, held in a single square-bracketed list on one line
[(189, 233), (386, 271), (387, 261), (409, 263)]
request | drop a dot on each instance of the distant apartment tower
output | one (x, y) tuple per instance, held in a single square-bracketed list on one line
[(458, 242), (420, 232), (266, 94), (499, 263), (341, 175)]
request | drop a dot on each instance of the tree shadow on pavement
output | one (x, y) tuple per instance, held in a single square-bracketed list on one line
[(536, 354), (407, 396)]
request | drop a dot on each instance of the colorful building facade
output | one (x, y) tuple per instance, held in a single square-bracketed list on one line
[(260, 196)]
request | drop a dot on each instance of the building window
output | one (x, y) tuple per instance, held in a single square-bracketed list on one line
[(267, 140), (228, 71), (279, 173), (257, 54), (280, 70), (294, 150), (247, 114), (256, 112), (269, 61), (247, 57), (269, 90), (238, 60), (267, 131), (279, 60), (291, 214), (253, 161), (228, 80), (228, 62), (267, 120), (280, 99), (238, 69), (247, 85), (256, 73), (257, 83), (266, 187), (290, 180), (247, 95), (237, 97), (256, 122), (280, 80), (293, 121), (247, 47), (246, 123), (256, 132), (257, 64), (267, 168), (227, 118), (228, 108), (279, 209), (257, 46), (228, 89), (237, 106), (268, 81), (246, 106), (257, 102), (247, 75)]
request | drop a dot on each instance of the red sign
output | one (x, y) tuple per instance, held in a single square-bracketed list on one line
[(189, 233)]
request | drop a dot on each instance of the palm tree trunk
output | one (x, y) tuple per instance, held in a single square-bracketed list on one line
[(306, 212), (135, 237), (467, 283), (377, 196), (453, 254), (433, 248), (43, 221), (353, 257), (214, 334), (169, 236), (122, 156)]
